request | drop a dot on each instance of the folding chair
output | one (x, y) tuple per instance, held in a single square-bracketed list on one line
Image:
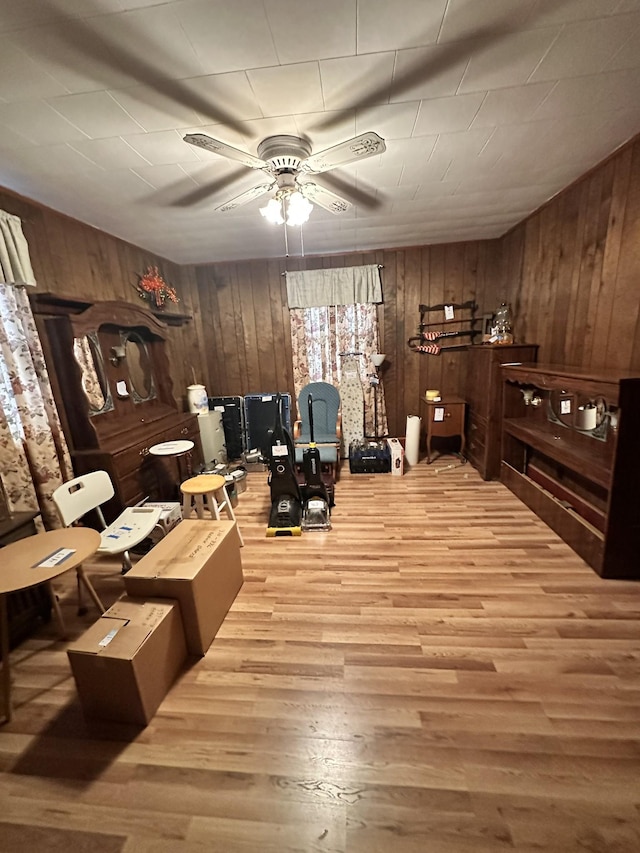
[(77, 497)]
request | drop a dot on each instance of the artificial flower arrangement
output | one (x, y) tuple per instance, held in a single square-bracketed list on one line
[(153, 287)]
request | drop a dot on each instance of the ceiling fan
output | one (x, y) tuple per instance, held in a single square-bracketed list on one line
[(286, 161)]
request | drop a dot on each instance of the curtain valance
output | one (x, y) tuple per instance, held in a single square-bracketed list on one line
[(340, 286), (15, 263)]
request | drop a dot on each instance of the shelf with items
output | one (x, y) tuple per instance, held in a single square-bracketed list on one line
[(431, 336), (483, 393), (569, 452)]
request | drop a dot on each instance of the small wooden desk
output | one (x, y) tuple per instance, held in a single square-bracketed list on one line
[(21, 570), (445, 419)]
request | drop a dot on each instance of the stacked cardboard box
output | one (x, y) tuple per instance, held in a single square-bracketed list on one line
[(177, 597), (125, 663), (198, 564)]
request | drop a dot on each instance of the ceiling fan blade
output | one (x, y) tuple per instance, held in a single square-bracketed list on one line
[(202, 193), (359, 195), (324, 198), (77, 39), (245, 197), (358, 148), (201, 140)]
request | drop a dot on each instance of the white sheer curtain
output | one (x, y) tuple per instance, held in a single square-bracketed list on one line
[(334, 311), (34, 458)]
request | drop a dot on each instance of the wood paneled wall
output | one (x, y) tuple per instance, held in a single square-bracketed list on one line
[(571, 272), (244, 319), (75, 260)]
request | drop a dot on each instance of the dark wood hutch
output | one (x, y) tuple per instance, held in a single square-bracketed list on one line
[(111, 379)]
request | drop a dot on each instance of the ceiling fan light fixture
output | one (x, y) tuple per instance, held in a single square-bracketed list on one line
[(298, 209), (272, 211)]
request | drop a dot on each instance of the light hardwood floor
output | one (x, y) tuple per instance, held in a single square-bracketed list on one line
[(440, 673)]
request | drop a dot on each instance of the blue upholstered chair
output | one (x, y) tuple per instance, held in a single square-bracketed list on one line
[(326, 423)]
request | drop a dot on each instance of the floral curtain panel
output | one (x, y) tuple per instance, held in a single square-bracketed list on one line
[(321, 331), (34, 458)]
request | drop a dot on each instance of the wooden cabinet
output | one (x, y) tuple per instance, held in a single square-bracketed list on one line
[(113, 387), (445, 419), (483, 393), (571, 453)]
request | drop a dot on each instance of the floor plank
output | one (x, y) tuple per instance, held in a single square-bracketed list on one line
[(439, 672)]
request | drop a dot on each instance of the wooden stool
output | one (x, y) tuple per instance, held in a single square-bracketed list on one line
[(213, 488)]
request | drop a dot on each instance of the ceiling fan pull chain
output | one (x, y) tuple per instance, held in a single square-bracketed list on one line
[(286, 236)]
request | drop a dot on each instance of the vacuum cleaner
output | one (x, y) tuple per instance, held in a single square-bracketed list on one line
[(286, 500), (316, 513)]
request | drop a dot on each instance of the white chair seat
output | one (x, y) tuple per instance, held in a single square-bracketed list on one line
[(134, 524), (81, 495)]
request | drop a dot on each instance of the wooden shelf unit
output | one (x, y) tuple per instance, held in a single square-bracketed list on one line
[(458, 329), (583, 484), (483, 393)]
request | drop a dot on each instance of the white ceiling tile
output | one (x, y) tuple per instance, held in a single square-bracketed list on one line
[(9, 139), (39, 123), (462, 166), (440, 115), (15, 16), (111, 153), (554, 12), (160, 177), (584, 47), (509, 62), (590, 94), (286, 90), (403, 23), (153, 110), (628, 56), (426, 171), (428, 72), (305, 30), (21, 77), (162, 147), (394, 121), (62, 161), (512, 105), (348, 81), (223, 93), (435, 190), (465, 20), (228, 36), (468, 143), (95, 113), (75, 68)]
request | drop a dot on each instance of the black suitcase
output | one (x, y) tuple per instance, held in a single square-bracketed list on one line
[(369, 456), (260, 412), (232, 409)]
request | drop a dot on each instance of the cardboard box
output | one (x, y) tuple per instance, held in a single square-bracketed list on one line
[(125, 663), (397, 456), (198, 564)]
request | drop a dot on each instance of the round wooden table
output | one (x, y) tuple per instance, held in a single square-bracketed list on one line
[(35, 560)]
